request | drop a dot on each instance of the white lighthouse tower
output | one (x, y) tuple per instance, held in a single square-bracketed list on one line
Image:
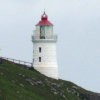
[(44, 48)]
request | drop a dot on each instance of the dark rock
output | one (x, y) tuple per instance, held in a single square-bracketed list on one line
[(23, 75), (39, 82), (1, 73), (21, 85), (90, 96), (34, 82), (68, 90), (18, 92), (74, 87), (55, 93), (30, 81)]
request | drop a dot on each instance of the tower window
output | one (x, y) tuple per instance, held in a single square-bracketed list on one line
[(40, 49), (42, 32), (39, 59)]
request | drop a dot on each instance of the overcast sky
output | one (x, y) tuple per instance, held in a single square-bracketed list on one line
[(77, 24)]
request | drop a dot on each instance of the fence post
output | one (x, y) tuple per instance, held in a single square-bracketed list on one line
[(0, 60), (19, 61), (31, 64), (7, 59), (24, 63), (13, 60)]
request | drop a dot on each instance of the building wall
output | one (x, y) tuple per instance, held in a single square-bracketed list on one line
[(48, 65), (37, 32)]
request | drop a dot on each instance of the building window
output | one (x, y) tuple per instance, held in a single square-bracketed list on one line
[(33, 60), (42, 32), (40, 49), (39, 59)]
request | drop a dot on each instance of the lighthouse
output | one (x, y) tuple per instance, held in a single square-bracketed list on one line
[(44, 48)]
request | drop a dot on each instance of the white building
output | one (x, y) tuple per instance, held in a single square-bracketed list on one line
[(44, 48)]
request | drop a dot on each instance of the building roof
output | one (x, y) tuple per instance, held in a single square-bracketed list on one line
[(44, 21)]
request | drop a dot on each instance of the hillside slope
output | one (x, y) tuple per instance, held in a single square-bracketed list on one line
[(19, 83)]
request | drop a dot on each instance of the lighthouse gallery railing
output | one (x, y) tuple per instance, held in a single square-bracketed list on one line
[(37, 38)]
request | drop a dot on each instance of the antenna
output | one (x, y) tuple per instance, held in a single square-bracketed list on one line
[(44, 10)]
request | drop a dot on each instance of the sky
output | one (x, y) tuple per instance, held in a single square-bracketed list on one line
[(77, 24)]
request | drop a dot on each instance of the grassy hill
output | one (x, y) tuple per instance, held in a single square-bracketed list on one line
[(19, 83)]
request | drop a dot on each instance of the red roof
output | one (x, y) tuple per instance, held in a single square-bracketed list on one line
[(44, 21)]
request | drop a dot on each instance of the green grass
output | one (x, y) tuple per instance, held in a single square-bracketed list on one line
[(15, 84)]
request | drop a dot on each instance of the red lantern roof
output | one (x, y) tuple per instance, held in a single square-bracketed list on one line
[(44, 21)]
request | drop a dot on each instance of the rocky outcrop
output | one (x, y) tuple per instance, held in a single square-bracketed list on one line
[(92, 96)]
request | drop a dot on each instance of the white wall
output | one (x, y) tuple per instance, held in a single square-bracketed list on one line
[(48, 64)]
